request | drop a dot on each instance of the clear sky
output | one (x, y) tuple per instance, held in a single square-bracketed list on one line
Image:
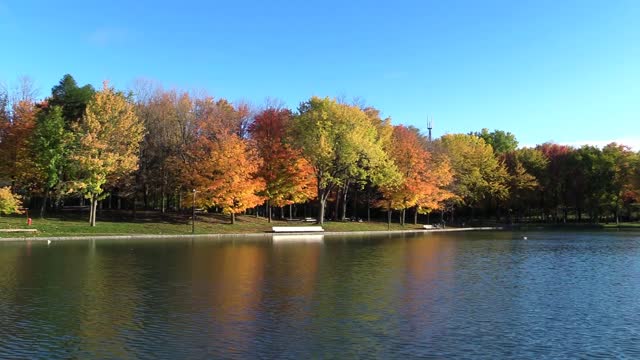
[(546, 70)]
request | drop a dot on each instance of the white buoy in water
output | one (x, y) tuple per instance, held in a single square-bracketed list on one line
[(524, 237)]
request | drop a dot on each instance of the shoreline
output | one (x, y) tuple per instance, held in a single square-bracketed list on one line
[(265, 235)]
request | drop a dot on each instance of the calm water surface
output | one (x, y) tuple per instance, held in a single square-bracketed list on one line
[(466, 295)]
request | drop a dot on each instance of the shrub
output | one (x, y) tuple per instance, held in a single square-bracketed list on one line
[(10, 203)]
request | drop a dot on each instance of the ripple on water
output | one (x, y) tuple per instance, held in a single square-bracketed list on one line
[(475, 295)]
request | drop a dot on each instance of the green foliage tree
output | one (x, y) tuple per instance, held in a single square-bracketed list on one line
[(72, 98), (50, 146), (621, 163), (501, 141)]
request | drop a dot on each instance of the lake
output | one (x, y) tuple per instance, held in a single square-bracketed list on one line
[(449, 295)]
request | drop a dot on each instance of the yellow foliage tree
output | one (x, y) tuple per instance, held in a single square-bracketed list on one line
[(9, 202), (106, 146)]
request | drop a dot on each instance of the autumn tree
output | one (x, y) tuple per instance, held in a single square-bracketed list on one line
[(381, 174), (223, 116), (14, 148), (231, 182), (438, 194), (216, 162), (339, 142), (288, 177), (522, 165), (106, 146), (10, 203), (423, 181), (478, 173), (556, 180), (166, 116)]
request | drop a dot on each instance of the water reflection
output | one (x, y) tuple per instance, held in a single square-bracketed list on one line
[(439, 295)]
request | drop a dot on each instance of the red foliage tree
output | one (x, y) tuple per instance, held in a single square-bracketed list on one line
[(288, 177)]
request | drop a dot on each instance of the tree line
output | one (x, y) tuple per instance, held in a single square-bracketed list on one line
[(160, 149)]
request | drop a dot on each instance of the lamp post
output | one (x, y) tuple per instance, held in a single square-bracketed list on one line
[(193, 213)]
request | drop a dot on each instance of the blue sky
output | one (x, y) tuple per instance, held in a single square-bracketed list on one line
[(565, 71)]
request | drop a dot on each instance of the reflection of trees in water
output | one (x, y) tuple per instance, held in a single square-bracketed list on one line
[(111, 296), (65, 303), (357, 285), (427, 283), (293, 277), (227, 289)]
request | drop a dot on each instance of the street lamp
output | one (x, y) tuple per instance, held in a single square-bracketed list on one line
[(193, 213)]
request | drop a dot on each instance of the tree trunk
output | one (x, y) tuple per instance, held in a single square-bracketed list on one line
[(133, 206), (389, 216), (44, 204), (290, 211), (369, 205), (336, 210), (269, 217), (93, 210), (402, 216), (233, 218), (345, 191), (415, 216), (354, 211), (323, 203)]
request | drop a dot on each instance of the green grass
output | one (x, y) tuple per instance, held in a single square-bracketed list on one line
[(632, 225), (154, 223), (577, 226)]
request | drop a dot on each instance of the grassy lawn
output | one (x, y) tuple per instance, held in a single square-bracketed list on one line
[(580, 226), (631, 225), (155, 223)]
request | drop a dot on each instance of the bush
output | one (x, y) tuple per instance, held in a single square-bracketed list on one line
[(10, 203)]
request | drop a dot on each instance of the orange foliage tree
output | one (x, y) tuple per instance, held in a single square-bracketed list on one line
[(15, 152), (287, 176), (218, 163), (423, 181)]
